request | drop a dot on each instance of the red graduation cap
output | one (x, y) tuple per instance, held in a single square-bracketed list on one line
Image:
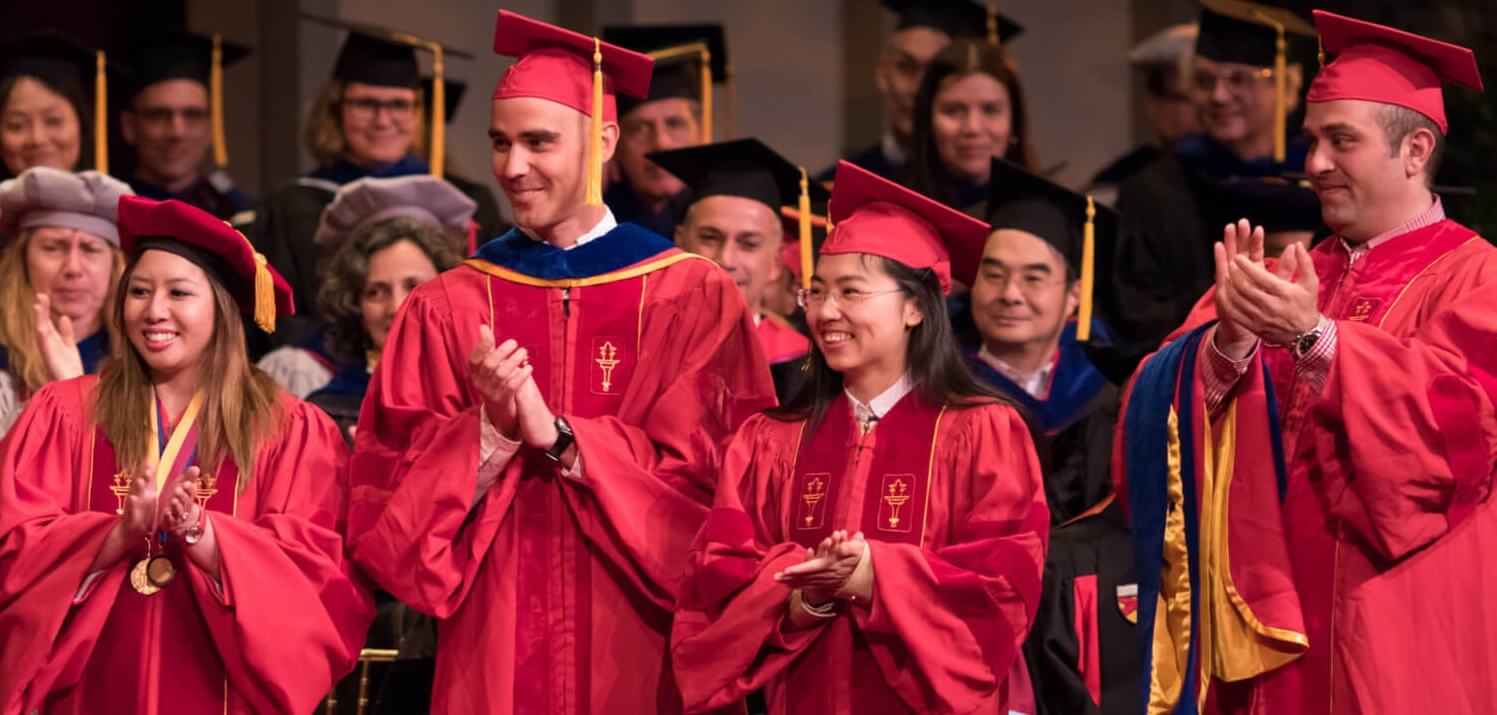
[(870, 214), (557, 64), (214, 245), (571, 69), (1381, 64)]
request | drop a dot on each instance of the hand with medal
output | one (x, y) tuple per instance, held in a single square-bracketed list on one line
[(187, 522)]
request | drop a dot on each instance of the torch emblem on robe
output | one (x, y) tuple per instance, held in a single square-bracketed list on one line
[(897, 493), (812, 494), (120, 487), (608, 359), (207, 487)]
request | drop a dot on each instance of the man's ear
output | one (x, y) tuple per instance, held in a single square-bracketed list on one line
[(1294, 79), (1420, 145), (127, 126), (610, 138)]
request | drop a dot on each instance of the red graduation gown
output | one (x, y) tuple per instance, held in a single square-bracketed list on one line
[(957, 556), (1389, 470), (781, 342), (286, 623), (554, 596)]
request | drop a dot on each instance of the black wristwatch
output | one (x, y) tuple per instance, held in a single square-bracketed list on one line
[(1304, 342), (564, 439)]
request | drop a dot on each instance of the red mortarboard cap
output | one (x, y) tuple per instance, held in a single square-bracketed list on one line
[(557, 64), (1381, 64), (873, 215), (214, 245)]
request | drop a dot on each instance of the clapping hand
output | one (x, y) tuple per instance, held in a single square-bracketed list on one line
[(498, 373), (827, 568), (58, 344)]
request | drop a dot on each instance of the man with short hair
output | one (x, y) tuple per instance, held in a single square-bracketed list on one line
[(669, 117), (1173, 210), (737, 190), (1163, 61), (540, 440), (1346, 577), (169, 119)]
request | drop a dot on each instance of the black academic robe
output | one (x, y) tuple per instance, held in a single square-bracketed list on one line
[(214, 193), (285, 223), (1082, 653), (1171, 214), (1079, 653)]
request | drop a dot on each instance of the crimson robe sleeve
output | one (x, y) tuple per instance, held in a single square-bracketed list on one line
[(415, 465), (289, 617), (732, 633), (649, 472), (1407, 430), (946, 624), (45, 550)]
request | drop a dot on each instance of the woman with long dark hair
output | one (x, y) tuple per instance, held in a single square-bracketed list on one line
[(876, 544), (44, 120), (969, 109), (171, 530)]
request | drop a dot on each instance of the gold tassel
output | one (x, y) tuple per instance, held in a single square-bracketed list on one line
[(216, 96), (1320, 50), (594, 195), (1281, 88), (1088, 251), (101, 115), (438, 112), (264, 294), (993, 37), (706, 95), (806, 251)]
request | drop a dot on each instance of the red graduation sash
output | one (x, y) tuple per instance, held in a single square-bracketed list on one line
[(897, 456)]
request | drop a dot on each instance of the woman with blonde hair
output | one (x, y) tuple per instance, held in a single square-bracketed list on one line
[(368, 121), (59, 268), (171, 530)]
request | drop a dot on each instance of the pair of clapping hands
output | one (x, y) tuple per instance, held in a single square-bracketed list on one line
[(182, 513), (1256, 300), (831, 569), (512, 401)]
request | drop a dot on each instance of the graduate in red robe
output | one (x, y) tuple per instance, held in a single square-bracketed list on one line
[(166, 546), (1358, 574), (737, 190), (539, 496), (876, 545)]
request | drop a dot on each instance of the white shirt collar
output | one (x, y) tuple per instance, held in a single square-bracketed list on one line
[(889, 145), (604, 225), (880, 406), (1036, 384)]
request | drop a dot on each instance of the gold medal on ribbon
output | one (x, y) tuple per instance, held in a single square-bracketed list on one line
[(160, 571), (141, 581)]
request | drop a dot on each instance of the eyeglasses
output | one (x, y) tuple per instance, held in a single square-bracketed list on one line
[(1236, 80), (159, 116), (1028, 283), (810, 298), (368, 108)]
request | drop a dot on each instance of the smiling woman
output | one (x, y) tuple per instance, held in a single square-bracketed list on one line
[(43, 116), (226, 500), (849, 517), (369, 121), (970, 109)]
